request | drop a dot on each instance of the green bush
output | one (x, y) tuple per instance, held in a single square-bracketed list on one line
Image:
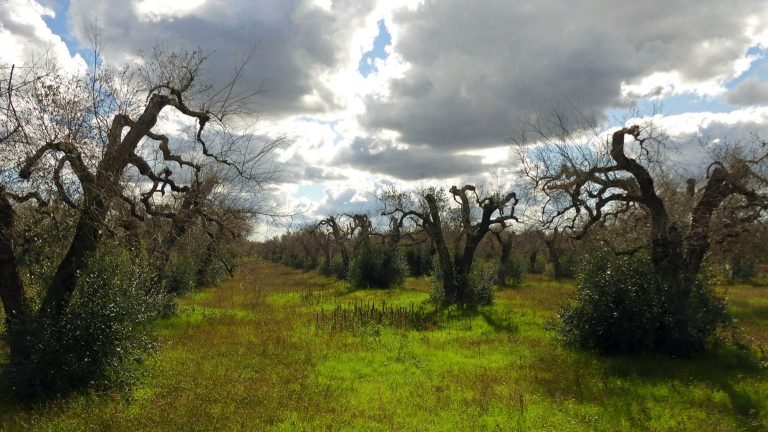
[(623, 306), (511, 272), (419, 261), (294, 261), (309, 263), (482, 278), (337, 267), (378, 266), (743, 269), (565, 268), (180, 276), (102, 335), (481, 281), (538, 266), (210, 271), (325, 268)]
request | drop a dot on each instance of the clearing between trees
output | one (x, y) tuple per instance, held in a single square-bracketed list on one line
[(280, 349)]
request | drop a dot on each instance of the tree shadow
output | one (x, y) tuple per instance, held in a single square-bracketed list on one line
[(722, 369), (499, 320)]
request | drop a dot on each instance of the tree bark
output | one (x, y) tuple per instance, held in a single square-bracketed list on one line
[(553, 252), (18, 318), (506, 251), (98, 195), (434, 227)]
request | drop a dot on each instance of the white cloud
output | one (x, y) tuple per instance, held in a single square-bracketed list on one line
[(154, 10), (693, 134), (457, 81), (25, 36)]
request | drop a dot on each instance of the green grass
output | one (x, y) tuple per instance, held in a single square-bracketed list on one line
[(247, 355)]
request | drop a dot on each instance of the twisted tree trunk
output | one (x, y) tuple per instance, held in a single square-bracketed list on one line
[(18, 319)]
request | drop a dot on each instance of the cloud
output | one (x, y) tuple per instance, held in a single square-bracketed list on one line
[(751, 91), (296, 43), (413, 163), (476, 71), (25, 36), (694, 135)]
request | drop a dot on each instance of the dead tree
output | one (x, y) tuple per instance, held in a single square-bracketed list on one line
[(585, 187), (426, 210), (506, 241), (89, 136), (553, 242), (360, 228), (339, 237), (191, 209)]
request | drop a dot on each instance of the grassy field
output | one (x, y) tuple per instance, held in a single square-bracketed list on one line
[(253, 354)]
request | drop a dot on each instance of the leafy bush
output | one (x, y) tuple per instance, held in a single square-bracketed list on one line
[(102, 334), (511, 273), (623, 306), (378, 266), (293, 260), (538, 265), (209, 270), (565, 267), (337, 267), (419, 261), (743, 269), (325, 268), (180, 276), (309, 263), (481, 281), (482, 277)]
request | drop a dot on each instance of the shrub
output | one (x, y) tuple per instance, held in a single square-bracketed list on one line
[(743, 269), (325, 268), (623, 306), (482, 277), (337, 267), (378, 266), (102, 335), (293, 260), (481, 281), (511, 273), (563, 269), (180, 276), (309, 263), (210, 271), (538, 265), (419, 261)]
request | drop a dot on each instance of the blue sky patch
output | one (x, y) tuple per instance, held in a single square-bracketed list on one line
[(367, 64), (59, 25), (314, 191)]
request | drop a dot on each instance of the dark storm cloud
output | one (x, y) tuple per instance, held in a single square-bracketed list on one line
[(751, 91), (294, 42), (478, 70), (414, 163)]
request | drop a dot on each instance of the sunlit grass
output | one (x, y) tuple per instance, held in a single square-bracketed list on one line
[(247, 355)]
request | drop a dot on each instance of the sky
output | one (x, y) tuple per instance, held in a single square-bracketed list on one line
[(378, 93)]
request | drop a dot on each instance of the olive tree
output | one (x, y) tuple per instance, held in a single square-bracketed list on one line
[(98, 142), (477, 214), (589, 181)]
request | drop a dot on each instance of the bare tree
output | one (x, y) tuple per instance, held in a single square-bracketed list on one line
[(340, 235), (95, 143), (426, 210), (587, 181)]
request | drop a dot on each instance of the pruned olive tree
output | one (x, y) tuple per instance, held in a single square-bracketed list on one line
[(477, 213), (586, 181), (338, 231), (100, 141)]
